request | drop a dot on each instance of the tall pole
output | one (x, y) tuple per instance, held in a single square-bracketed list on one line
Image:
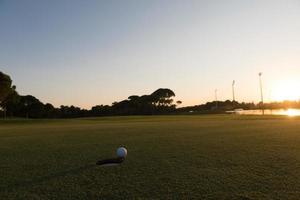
[(261, 92), (216, 98), (233, 96)]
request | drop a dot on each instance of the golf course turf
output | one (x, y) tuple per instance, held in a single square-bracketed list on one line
[(169, 157)]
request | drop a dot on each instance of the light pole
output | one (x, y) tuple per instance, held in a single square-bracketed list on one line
[(261, 93)]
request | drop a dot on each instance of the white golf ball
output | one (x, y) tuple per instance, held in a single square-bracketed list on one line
[(121, 152)]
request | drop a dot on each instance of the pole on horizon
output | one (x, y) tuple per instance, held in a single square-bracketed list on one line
[(261, 92), (216, 98)]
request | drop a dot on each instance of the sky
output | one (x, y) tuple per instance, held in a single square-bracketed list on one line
[(91, 52)]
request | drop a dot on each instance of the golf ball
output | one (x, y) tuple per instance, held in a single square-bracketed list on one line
[(121, 152)]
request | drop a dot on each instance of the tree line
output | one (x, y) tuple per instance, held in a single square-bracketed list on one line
[(161, 101), (15, 105)]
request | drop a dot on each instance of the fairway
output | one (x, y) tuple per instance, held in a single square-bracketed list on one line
[(169, 157)]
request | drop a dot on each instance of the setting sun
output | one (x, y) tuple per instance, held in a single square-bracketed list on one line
[(286, 90), (292, 112)]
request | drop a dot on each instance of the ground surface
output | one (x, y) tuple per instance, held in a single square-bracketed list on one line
[(169, 157)]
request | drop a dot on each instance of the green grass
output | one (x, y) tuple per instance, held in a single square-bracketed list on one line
[(169, 157)]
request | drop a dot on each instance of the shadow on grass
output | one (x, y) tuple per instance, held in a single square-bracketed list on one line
[(43, 179)]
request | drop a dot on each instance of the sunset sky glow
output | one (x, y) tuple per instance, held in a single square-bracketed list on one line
[(84, 53)]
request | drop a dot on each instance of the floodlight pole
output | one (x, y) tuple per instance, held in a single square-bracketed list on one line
[(233, 96), (261, 92)]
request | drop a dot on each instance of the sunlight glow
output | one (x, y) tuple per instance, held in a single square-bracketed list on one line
[(292, 112), (286, 90)]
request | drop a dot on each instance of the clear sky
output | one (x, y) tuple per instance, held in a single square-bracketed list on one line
[(89, 52)]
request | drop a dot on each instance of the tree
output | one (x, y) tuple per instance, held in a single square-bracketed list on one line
[(5, 86), (159, 102), (50, 111), (12, 103), (162, 97), (178, 102), (100, 110), (133, 97), (31, 107), (71, 112), (6, 89)]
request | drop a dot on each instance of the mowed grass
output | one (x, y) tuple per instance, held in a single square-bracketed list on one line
[(169, 157)]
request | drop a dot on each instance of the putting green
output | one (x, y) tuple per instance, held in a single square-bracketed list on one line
[(169, 157)]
